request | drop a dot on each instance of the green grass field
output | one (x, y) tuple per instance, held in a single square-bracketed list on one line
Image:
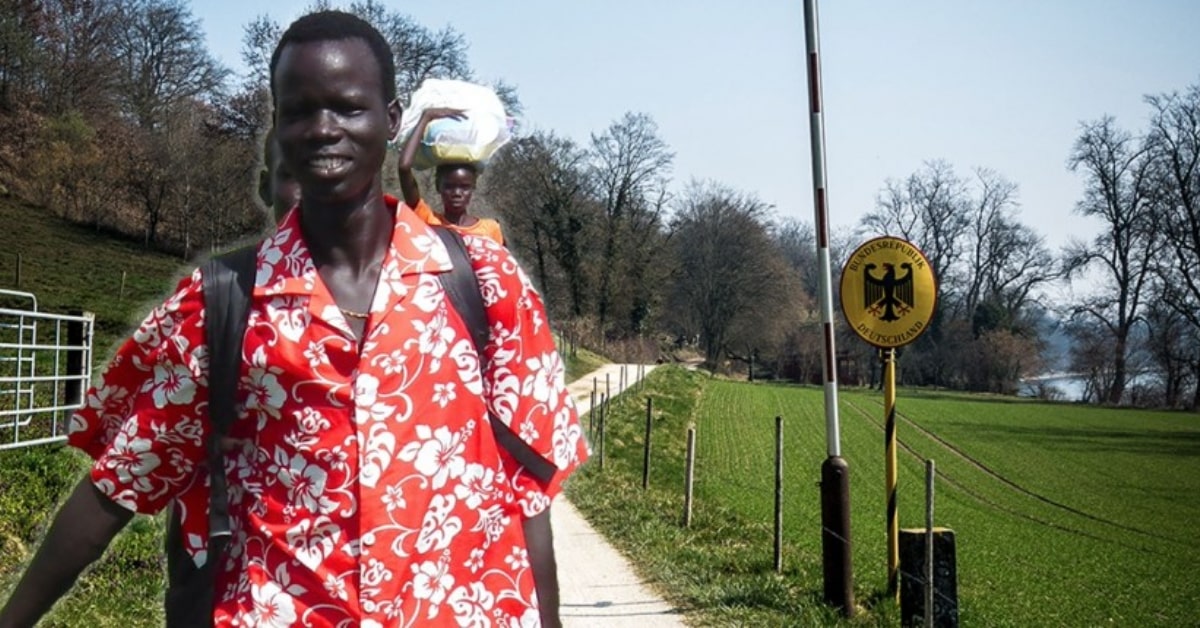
[(1064, 515)]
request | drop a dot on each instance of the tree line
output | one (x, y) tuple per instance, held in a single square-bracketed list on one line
[(113, 114)]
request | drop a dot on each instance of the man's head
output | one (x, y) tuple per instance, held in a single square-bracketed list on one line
[(456, 184), (277, 187), (333, 83), (334, 26)]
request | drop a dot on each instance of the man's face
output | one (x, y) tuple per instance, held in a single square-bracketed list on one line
[(331, 120)]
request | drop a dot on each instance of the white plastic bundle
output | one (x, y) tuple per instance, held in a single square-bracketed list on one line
[(483, 129)]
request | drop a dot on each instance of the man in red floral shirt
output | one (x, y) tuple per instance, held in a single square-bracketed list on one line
[(366, 486)]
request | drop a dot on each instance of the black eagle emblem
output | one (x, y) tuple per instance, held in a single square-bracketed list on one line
[(888, 297)]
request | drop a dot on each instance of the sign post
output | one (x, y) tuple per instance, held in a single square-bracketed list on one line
[(835, 471), (889, 294)]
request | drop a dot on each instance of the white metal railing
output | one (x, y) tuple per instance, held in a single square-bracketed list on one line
[(45, 368)]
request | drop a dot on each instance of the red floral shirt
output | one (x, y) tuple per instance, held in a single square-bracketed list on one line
[(366, 487)]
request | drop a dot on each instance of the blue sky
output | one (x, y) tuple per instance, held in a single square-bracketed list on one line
[(1002, 85)]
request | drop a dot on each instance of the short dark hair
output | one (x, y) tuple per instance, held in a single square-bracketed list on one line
[(336, 26), (442, 169)]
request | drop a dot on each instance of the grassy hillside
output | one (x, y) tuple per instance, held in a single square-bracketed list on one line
[(68, 267), (1064, 515), (71, 267)]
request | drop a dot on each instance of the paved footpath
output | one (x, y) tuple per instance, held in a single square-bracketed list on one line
[(597, 585)]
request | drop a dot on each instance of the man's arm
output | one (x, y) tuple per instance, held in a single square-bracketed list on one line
[(408, 183), (539, 540), (80, 533)]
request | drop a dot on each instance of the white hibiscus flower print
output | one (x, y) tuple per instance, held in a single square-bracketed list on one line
[(471, 605), (306, 485), (437, 454), (475, 562), (443, 393), (171, 384), (273, 608), (518, 559), (390, 363), (393, 498), (566, 436), (264, 394), (433, 338), (477, 484), (529, 431), (132, 458), (315, 354), (432, 581), (336, 587), (545, 382)]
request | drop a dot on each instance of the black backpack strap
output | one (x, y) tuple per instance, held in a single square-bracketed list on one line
[(462, 288), (228, 281)]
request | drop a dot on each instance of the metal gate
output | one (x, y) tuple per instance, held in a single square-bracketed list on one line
[(45, 367)]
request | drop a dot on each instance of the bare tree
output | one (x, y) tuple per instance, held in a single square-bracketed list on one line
[(1116, 168), (733, 284), (162, 60), (797, 241), (1174, 146), (540, 186), (20, 21), (630, 162), (927, 209), (75, 41)]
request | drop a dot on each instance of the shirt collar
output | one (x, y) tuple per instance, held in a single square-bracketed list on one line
[(285, 265)]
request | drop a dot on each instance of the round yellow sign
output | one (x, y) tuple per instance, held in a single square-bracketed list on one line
[(888, 292)]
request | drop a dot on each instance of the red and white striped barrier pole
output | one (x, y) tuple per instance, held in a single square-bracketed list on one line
[(835, 472)]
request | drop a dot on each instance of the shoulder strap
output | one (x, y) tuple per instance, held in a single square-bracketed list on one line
[(228, 280), (462, 288)]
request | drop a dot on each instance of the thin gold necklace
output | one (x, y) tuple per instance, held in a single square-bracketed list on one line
[(353, 314)]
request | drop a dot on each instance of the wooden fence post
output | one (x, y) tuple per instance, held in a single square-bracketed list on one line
[(646, 453), (603, 407), (778, 494), (592, 417), (689, 476)]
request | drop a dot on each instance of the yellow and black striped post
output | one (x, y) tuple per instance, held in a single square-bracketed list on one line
[(893, 527)]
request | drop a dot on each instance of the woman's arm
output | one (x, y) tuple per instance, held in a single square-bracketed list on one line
[(408, 183)]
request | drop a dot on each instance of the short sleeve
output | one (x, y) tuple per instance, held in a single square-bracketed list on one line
[(141, 423), (524, 379), (491, 229), (425, 213)]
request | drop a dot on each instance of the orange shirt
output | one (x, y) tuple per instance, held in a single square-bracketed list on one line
[(485, 227)]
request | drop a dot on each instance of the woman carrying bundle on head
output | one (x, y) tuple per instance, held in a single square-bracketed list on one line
[(455, 183)]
